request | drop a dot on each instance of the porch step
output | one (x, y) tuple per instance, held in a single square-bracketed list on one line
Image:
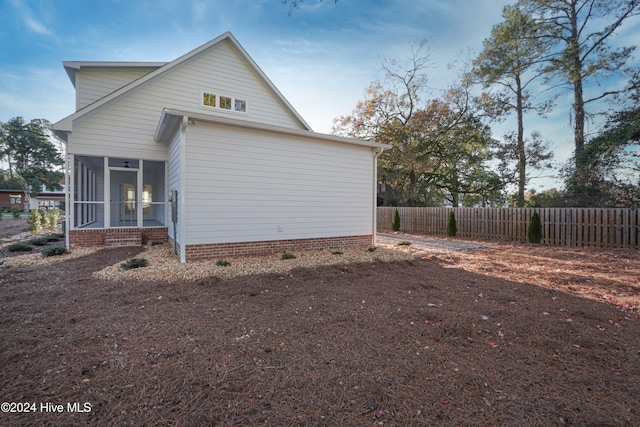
[(118, 241)]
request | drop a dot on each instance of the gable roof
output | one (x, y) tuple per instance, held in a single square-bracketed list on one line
[(71, 67), (65, 125)]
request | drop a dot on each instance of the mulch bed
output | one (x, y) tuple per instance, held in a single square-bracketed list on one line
[(510, 335)]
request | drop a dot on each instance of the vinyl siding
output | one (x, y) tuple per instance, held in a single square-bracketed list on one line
[(174, 180), (127, 125), (93, 84), (243, 184)]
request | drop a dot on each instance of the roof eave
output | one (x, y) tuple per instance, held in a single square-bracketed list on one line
[(170, 119)]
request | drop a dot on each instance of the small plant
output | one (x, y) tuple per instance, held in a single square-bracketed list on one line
[(54, 251), (337, 252), (372, 249), (15, 211), (54, 237), (395, 221), (452, 227), (43, 217), (534, 232), (35, 221), (19, 247), (39, 241), (288, 256), (53, 215), (134, 263), (404, 243), (223, 263)]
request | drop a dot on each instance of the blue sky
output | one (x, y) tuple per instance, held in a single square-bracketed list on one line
[(321, 57)]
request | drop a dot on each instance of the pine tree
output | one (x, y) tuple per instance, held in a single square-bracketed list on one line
[(395, 221), (452, 227), (534, 233)]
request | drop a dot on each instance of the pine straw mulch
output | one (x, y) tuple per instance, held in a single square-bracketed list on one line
[(510, 335)]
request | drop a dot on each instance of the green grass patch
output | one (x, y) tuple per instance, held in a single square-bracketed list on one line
[(372, 249), (223, 263), (337, 252), (288, 256), (404, 243)]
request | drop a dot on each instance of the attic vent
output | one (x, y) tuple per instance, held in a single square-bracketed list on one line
[(228, 103)]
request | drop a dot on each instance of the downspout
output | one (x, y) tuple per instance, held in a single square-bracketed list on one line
[(181, 198), (377, 151), (67, 207)]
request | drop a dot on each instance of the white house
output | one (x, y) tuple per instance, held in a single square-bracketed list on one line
[(206, 152)]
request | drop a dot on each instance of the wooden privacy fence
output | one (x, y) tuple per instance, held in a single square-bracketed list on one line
[(609, 228)]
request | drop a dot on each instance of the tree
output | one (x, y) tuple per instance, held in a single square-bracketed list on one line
[(452, 226), (527, 154), (506, 64), (8, 182), (534, 232), (607, 174), (551, 198), (390, 114), (395, 221), (32, 157), (580, 31), (440, 145), (463, 155)]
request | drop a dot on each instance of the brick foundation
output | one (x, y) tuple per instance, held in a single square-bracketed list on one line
[(115, 236), (269, 247)]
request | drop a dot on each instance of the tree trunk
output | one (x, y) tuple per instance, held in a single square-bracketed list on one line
[(578, 109), (522, 155), (575, 73)]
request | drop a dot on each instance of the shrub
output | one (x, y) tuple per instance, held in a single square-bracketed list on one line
[(54, 237), (288, 256), (43, 217), (15, 211), (452, 227), (35, 221), (134, 263), (39, 241), (19, 247), (337, 252), (395, 221), (372, 249), (54, 250), (53, 215), (404, 243), (534, 232), (223, 263)]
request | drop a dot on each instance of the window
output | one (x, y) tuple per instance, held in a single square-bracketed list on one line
[(209, 99), (241, 106), (224, 102)]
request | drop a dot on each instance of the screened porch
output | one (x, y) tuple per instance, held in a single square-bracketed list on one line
[(114, 192)]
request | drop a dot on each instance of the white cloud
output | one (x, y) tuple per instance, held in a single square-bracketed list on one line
[(30, 21)]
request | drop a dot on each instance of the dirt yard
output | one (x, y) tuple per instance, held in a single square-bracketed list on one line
[(510, 335)]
